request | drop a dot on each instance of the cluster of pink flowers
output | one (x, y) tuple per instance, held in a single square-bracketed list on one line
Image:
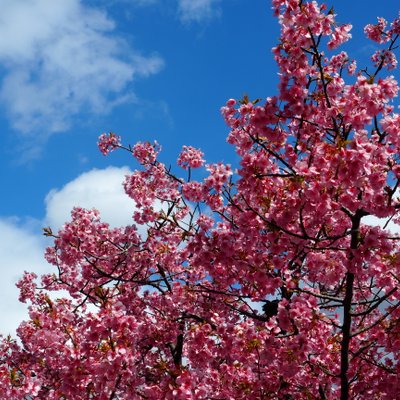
[(377, 32), (386, 57), (395, 27), (146, 153), (219, 175), (340, 35), (262, 282), (27, 287), (108, 142), (194, 191), (190, 158)]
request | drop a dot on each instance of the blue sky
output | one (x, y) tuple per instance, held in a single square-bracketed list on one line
[(146, 69)]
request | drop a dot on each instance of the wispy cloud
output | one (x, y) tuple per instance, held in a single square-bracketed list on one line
[(140, 2), (62, 58), (198, 10), (135, 3), (188, 10)]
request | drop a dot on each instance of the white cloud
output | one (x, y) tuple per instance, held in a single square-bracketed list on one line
[(198, 10), (60, 58), (21, 250), (383, 223), (100, 189), (22, 245)]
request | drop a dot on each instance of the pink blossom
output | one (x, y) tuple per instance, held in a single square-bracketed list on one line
[(194, 191), (108, 142), (352, 67), (377, 32), (386, 58), (395, 27), (219, 175), (27, 286), (190, 158), (146, 153), (340, 35)]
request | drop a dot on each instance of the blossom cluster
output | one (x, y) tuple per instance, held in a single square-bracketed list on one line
[(190, 158), (108, 142), (262, 281)]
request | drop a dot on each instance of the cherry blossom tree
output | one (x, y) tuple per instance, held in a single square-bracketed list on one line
[(262, 282)]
